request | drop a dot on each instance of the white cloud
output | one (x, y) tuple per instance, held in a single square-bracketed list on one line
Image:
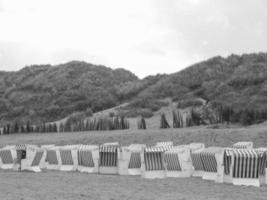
[(145, 36)]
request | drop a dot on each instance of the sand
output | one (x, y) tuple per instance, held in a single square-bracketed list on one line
[(73, 185)]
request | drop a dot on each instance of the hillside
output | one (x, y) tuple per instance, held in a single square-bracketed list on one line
[(43, 93), (239, 81), (235, 87)]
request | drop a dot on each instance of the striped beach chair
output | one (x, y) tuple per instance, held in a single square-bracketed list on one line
[(33, 160), (152, 162), (130, 159), (263, 151), (21, 154), (88, 157), (178, 162), (263, 166), (198, 168), (212, 160), (8, 157), (53, 158), (108, 158), (43, 163), (243, 145), (225, 173), (21, 150), (248, 167), (196, 163), (68, 157)]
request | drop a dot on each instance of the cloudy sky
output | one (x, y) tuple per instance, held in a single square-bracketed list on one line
[(144, 36)]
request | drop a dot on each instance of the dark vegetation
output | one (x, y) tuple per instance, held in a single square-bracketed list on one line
[(95, 124), (142, 106), (73, 124), (142, 123), (163, 121), (177, 119), (48, 93), (29, 128), (189, 103), (235, 87)]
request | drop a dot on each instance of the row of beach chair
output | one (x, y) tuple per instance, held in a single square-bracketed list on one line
[(240, 164)]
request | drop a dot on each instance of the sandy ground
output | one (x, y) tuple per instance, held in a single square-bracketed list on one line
[(74, 185)]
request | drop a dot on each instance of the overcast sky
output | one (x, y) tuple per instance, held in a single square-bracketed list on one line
[(144, 36)]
